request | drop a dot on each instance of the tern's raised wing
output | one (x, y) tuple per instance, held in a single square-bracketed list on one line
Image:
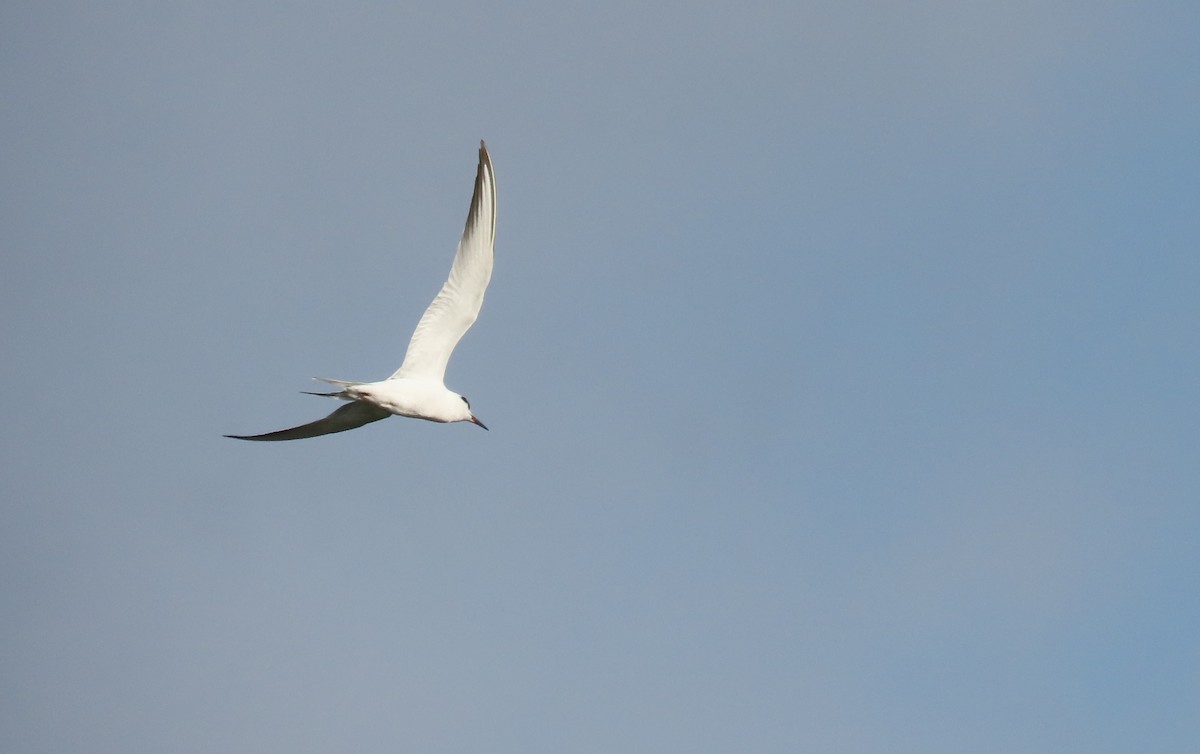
[(457, 305), (350, 416)]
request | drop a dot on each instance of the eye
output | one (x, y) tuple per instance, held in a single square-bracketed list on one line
[(466, 402)]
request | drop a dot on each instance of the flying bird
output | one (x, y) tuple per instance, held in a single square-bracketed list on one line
[(417, 388)]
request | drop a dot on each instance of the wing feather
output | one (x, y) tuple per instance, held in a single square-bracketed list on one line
[(457, 305), (350, 416)]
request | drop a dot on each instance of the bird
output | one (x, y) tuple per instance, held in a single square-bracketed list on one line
[(417, 389)]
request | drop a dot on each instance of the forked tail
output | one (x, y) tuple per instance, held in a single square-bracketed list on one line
[(339, 394), (339, 383)]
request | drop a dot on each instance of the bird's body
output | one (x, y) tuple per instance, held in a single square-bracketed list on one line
[(416, 389), (404, 396)]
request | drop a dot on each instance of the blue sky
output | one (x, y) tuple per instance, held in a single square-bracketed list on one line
[(840, 361)]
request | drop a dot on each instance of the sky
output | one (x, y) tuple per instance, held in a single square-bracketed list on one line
[(840, 361)]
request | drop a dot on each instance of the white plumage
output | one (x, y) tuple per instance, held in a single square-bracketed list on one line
[(417, 388)]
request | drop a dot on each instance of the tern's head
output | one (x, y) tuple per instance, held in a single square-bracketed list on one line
[(469, 416)]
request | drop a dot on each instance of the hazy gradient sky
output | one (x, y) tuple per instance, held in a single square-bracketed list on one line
[(841, 361)]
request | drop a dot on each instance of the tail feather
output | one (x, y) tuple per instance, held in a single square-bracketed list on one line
[(339, 383), (341, 394)]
